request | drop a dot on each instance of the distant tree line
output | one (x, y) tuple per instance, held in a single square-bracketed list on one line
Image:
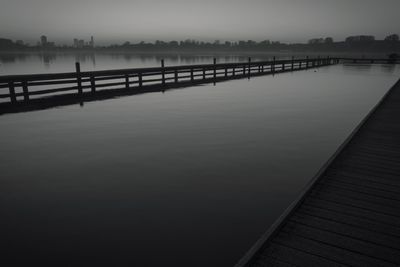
[(359, 43)]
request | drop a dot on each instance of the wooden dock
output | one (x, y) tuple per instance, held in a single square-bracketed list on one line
[(26, 92), (349, 214)]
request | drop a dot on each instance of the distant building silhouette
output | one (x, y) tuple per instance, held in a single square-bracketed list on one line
[(80, 43), (43, 40)]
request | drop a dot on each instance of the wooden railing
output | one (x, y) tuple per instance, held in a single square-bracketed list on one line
[(20, 89)]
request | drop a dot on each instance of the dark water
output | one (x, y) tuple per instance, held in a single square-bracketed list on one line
[(189, 177)]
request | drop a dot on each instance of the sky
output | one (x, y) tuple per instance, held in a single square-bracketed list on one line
[(117, 21)]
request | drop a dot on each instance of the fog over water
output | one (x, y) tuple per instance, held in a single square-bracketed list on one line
[(134, 20)]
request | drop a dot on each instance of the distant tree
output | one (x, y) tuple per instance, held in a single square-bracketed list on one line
[(316, 41), (392, 38), (360, 38), (328, 40)]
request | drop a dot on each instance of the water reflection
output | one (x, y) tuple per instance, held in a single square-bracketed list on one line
[(28, 63)]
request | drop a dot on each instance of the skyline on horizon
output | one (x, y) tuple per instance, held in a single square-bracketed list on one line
[(288, 21)]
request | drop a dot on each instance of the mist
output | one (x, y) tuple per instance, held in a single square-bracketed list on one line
[(123, 20)]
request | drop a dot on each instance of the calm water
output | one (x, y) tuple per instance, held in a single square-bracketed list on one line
[(189, 177), (65, 62)]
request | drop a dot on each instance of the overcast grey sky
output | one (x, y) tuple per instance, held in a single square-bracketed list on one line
[(134, 20)]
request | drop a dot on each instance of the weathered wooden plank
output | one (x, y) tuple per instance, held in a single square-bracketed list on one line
[(296, 257), (351, 219), (330, 252), (388, 242), (361, 189), (344, 208), (330, 238)]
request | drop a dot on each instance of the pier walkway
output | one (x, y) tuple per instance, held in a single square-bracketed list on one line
[(40, 91), (349, 214)]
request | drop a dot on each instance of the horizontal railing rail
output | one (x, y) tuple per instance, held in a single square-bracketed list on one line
[(17, 89)]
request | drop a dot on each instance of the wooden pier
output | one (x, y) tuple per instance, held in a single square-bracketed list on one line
[(42, 90), (349, 214)]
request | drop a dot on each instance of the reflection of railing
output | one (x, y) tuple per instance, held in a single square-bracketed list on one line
[(22, 88)]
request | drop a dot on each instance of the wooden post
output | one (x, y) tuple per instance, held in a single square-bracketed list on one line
[(306, 62), (191, 75), (126, 81), (319, 61), (328, 60), (163, 71), (25, 91), (226, 71), (204, 73), (292, 63), (283, 65), (273, 65), (215, 68), (249, 66), (262, 68), (140, 79), (78, 78), (244, 69), (233, 71), (176, 76), (13, 98), (93, 84)]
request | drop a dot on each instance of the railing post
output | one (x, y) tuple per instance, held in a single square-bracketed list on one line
[(292, 63), (13, 98), (191, 75), (306, 62), (283, 66), (234, 71), (176, 76), (319, 61), (244, 70), (226, 71), (273, 65), (93, 84), (163, 71), (25, 91), (204, 73), (140, 79), (249, 66), (126, 81), (215, 68), (78, 78)]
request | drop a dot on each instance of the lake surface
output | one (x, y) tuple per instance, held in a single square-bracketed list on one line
[(31, 63), (188, 177)]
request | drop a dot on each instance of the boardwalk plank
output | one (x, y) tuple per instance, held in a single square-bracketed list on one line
[(388, 241), (330, 252)]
